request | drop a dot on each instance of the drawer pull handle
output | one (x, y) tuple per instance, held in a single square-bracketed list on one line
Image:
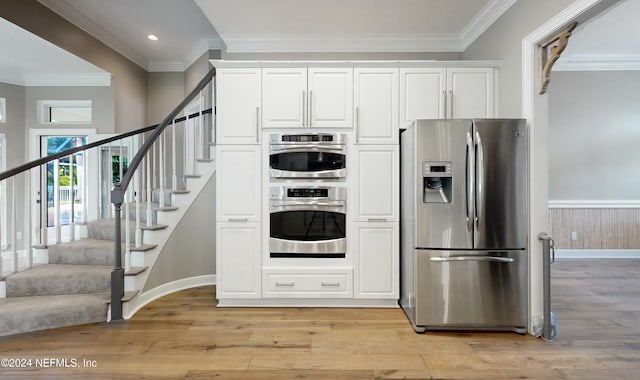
[(238, 219), (285, 284), (330, 284)]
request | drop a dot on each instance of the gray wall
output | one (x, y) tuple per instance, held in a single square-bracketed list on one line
[(129, 79), (503, 41), (191, 248), (594, 120), (165, 91)]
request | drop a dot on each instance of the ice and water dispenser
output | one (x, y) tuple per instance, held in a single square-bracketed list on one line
[(437, 182)]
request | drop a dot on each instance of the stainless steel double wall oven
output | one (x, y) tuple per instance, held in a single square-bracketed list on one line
[(308, 207)]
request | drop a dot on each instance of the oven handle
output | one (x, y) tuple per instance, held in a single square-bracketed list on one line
[(300, 203), (306, 148)]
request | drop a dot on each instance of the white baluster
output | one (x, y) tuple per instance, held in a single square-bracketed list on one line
[(120, 161), (56, 200), (110, 182), (44, 207), (83, 188), (161, 154), (29, 238), (149, 210), (127, 237), (14, 233), (72, 221), (153, 165), (174, 176), (2, 196)]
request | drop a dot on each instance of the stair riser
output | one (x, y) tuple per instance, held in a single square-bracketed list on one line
[(54, 285), (104, 231)]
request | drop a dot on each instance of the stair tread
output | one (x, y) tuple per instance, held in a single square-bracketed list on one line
[(135, 271), (182, 191), (154, 227), (128, 295), (204, 159), (143, 247), (166, 208), (192, 176)]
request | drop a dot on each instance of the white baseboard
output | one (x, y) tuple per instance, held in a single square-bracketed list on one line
[(139, 301), (597, 254)]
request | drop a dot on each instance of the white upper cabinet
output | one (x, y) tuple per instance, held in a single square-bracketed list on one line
[(376, 105), (330, 97), (470, 93), (238, 97), (450, 93), (314, 97), (422, 94), (284, 96)]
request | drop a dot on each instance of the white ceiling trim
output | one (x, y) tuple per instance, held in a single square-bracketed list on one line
[(342, 43), (483, 20), (99, 79), (204, 45), (66, 11), (451, 42), (598, 63)]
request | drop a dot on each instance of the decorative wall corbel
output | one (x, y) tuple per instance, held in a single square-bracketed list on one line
[(550, 51)]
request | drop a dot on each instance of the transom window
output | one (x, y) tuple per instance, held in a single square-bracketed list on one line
[(65, 111)]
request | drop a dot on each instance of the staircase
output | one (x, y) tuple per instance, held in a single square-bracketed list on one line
[(74, 287)]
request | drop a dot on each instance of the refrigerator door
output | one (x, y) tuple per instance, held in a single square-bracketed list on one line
[(471, 289), (501, 157), (444, 225)]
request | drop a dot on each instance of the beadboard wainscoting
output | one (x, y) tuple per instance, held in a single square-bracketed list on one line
[(595, 229)]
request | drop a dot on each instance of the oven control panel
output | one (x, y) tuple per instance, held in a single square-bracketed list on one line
[(306, 192)]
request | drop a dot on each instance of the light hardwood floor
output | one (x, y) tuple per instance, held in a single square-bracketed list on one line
[(185, 336)]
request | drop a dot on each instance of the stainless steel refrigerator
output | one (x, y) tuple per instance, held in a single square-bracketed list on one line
[(464, 221)]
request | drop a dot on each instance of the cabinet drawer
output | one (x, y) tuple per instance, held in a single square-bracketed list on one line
[(308, 285)]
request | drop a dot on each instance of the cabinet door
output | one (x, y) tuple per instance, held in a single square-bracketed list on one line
[(284, 97), (376, 247), (470, 93), (422, 94), (238, 106), (376, 105), (238, 260), (330, 97), (377, 183), (238, 185)]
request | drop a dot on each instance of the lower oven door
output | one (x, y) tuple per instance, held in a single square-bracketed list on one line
[(308, 230)]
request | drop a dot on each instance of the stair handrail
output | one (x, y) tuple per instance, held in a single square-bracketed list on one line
[(43, 160), (119, 188)]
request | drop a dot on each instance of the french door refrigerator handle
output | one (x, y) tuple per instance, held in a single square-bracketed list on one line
[(469, 186), (472, 258), (480, 179)]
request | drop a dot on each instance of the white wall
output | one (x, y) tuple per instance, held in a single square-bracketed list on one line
[(594, 121)]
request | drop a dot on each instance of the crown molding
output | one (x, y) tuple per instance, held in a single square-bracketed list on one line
[(71, 14), (598, 63), (491, 12), (341, 43)]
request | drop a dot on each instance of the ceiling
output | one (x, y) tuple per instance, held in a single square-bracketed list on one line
[(187, 28)]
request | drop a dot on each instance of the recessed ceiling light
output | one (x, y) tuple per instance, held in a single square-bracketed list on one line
[(152, 37)]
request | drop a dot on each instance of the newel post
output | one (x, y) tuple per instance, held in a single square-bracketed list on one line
[(117, 275)]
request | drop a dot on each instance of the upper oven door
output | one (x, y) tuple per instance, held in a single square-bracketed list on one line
[(307, 161)]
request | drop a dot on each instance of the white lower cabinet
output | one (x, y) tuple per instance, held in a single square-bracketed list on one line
[(238, 264), (307, 283), (376, 256)]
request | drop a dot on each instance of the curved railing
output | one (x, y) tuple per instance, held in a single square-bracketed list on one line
[(119, 189)]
